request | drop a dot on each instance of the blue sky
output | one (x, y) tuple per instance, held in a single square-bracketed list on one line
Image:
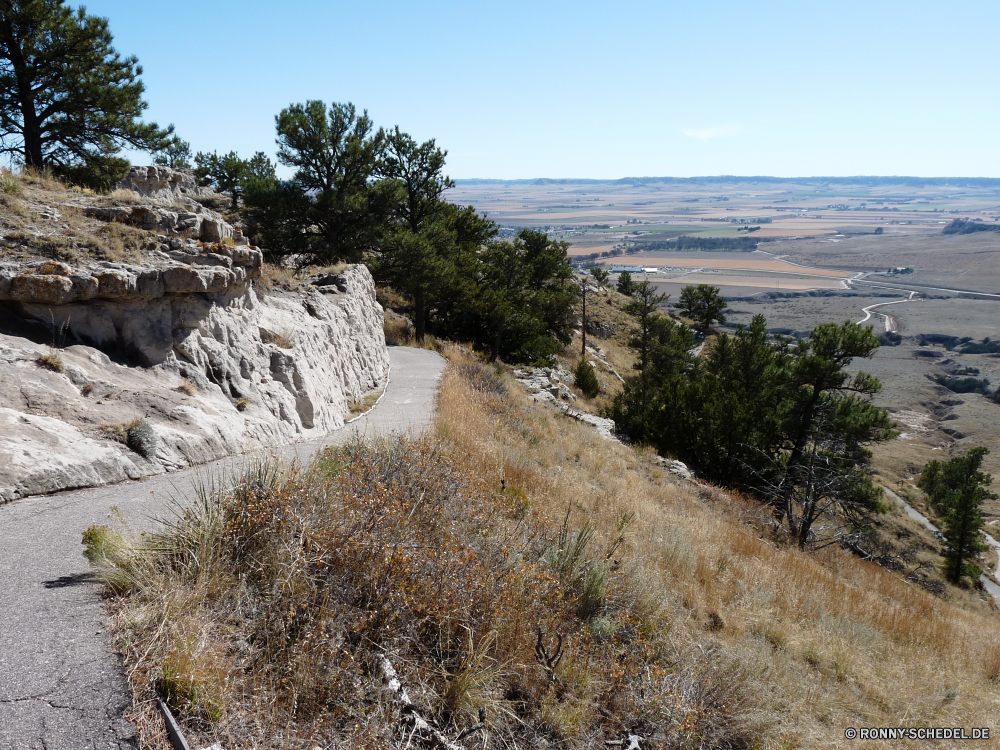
[(604, 90)]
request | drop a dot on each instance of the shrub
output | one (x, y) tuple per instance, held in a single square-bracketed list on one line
[(137, 435), (586, 379), (963, 385), (51, 361), (99, 174), (398, 330), (282, 339), (241, 404), (141, 438), (188, 387), (9, 184)]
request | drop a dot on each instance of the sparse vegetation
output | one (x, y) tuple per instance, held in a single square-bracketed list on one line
[(281, 339), (136, 434), (586, 379), (364, 404), (51, 361), (187, 387), (682, 615)]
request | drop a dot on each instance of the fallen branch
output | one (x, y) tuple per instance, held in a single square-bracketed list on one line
[(633, 742), (408, 709)]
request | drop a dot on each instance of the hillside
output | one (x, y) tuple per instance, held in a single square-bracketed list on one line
[(466, 559)]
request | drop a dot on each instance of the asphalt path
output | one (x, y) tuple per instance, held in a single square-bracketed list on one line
[(61, 684)]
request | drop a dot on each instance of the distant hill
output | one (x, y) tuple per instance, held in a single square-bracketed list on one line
[(751, 179)]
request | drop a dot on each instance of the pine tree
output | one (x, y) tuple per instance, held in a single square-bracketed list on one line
[(66, 96), (625, 285), (586, 379), (703, 305), (958, 488)]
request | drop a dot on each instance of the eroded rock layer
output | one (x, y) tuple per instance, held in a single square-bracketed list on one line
[(189, 347)]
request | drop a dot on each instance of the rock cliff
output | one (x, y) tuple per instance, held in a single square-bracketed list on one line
[(113, 370)]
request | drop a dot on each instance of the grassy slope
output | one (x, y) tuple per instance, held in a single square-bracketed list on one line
[(700, 629)]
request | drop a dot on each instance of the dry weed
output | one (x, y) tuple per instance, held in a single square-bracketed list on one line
[(520, 564)]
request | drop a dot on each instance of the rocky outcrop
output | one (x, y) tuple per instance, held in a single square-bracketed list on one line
[(198, 222), (187, 345), (546, 383), (172, 208), (162, 183)]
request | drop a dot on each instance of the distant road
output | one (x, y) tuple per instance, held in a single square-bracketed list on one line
[(923, 289), (61, 685)]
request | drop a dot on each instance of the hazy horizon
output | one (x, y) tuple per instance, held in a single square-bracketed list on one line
[(591, 90)]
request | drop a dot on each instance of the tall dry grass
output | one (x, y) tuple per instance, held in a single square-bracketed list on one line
[(261, 611), (828, 640)]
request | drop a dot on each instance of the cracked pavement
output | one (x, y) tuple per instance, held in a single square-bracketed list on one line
[(61, 684)]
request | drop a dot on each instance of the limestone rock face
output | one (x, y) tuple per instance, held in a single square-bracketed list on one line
[(161, 183), (194, 348)]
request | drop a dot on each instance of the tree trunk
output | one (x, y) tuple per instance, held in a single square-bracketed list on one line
[(495, 348), (419, 316), (31, 128)]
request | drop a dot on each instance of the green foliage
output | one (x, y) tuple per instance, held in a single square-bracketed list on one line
[(964, 226), (66, 96), (360, 194), (889, 338), (100, 173), (228, 171), (703, 305), (586, 379), (175, 153), (600, 275), (785, 422), (963, 385), (625, 285), (879, 230), (957, 490), (685, 242), (419, 244), (522, 307), (332, 209)]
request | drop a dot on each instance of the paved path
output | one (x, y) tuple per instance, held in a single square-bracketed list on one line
[(61, 685)]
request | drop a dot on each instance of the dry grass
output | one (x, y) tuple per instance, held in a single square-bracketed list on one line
[(398, 329), (122, 197), (70, 238), (839, 642), (188, 387), (51, 361), (118, 431), (281, 339), (364, 404), (41, 179), (274, 278), (261, 610)]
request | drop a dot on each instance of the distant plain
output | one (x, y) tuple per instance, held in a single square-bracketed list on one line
[(818, 260)]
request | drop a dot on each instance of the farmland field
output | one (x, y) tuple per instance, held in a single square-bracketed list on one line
[(818, 259)]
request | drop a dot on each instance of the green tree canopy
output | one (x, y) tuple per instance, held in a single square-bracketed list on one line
[(957, 489), (785, 422), (414, 254), (66, 96), (703, 305), (175, 153), (625, 285), (332, 209), (600, 275)]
